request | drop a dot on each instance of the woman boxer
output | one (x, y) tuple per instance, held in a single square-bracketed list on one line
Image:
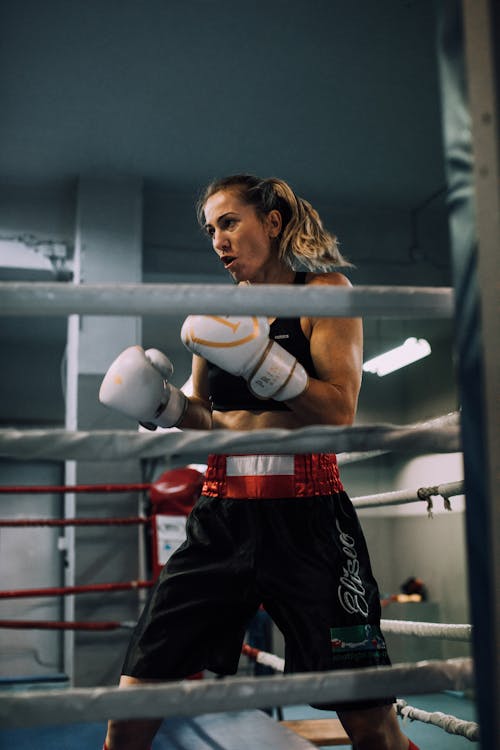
[(274, 529)]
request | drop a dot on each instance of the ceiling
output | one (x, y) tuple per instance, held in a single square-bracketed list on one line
[(339, 98)]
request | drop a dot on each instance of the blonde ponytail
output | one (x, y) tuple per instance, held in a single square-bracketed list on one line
[(304, 241)]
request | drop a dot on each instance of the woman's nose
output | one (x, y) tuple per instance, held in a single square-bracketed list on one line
[(219, 241)]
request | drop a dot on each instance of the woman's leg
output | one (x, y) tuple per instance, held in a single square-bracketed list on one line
[(136, 734), (374, 729)]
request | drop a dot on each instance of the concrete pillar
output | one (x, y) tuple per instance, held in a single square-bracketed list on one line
[(108, 248)]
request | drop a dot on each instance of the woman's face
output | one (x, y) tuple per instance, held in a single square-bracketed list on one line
[(242, 241)]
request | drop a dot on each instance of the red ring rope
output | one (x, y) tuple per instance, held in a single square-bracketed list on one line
[(75, 488), (250, 651), (66, 590), (44, 625), (18, 522)]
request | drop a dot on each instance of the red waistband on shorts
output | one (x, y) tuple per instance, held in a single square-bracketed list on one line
[(272, 475)]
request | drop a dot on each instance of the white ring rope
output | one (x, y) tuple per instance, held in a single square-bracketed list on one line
[(195, 697), (450, 632), (401, 627), (403, 497), (450, 724), (269, 660), (351, 458), (36, 298), (441, 435)]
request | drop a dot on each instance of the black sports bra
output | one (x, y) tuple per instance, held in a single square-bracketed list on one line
[(231, 393)]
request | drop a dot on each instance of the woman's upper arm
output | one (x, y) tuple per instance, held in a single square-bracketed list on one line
[(337, 347)]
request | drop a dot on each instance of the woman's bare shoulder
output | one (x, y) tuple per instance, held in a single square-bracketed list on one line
[(334, 278)]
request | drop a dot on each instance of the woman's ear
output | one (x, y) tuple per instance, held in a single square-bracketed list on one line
[(274, 223)]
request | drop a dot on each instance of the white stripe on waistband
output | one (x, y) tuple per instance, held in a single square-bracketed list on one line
[(262, 465)]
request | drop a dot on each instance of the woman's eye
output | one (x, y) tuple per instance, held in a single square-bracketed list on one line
[(224, 224)]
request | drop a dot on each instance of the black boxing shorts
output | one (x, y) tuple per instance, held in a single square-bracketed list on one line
[(303, 556)]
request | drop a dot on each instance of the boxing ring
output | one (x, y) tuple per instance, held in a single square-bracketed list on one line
[(475, 431), (195, 698), (234, 694)]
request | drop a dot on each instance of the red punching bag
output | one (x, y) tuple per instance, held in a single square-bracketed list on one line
[(172, 495)]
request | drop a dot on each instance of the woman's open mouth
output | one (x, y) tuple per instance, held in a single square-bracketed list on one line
[(228, 260)]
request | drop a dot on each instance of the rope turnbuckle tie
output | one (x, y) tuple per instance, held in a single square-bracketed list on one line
[(427, 493)]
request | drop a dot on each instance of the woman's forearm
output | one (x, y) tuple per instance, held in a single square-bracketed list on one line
[(198, 416), (324, 403)]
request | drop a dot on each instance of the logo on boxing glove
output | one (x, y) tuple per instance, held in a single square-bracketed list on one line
[(233, 326)]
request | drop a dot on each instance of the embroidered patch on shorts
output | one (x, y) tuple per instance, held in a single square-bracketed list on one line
[(358, 645)]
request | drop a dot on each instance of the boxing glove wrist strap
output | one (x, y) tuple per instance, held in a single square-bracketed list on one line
[(171, 410), (174, 409), (278, 375)]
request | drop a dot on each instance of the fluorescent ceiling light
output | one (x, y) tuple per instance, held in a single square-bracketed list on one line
[(412, 350)]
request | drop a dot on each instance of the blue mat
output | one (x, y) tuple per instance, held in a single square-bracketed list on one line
[(244, 730)]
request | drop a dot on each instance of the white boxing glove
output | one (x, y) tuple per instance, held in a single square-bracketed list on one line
[(241, 346), (136, 384)]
